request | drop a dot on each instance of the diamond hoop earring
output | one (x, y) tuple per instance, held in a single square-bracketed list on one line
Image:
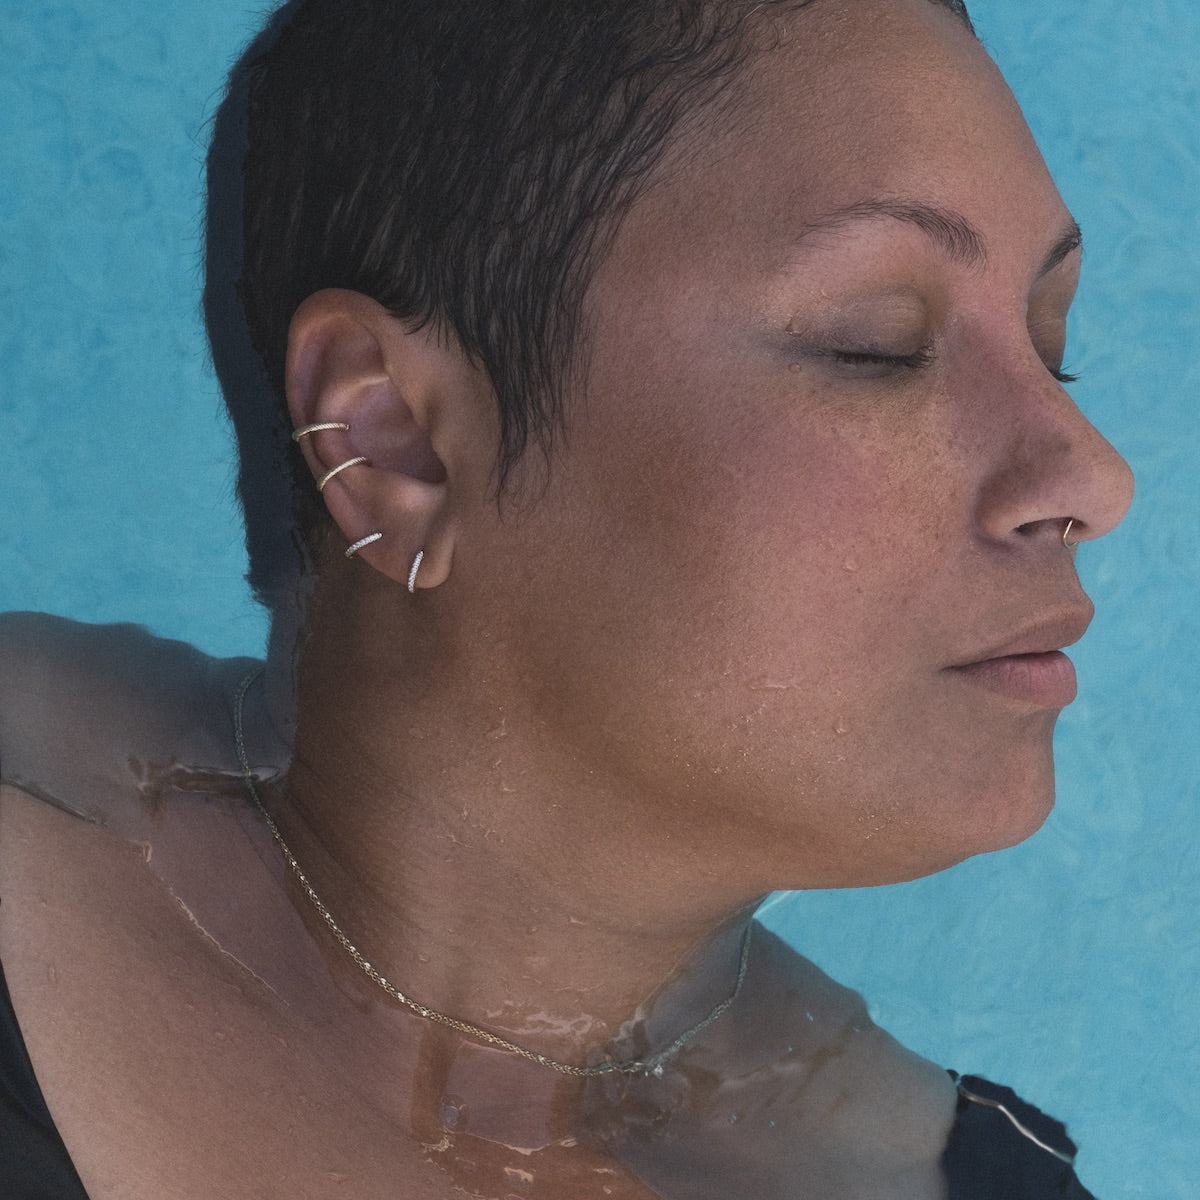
[(355, 547), (412, 575)]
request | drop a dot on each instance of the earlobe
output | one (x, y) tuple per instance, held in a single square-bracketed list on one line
[(363, 393)]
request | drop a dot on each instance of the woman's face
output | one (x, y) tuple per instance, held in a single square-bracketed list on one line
[(821, 464)]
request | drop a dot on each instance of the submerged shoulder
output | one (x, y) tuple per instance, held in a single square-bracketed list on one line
[(92, 713), (40, 641)]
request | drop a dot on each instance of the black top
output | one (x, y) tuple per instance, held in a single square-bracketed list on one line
[(992, 1154), (34, 1164)]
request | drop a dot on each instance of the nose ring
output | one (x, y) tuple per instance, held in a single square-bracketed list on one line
[(1068, 543)]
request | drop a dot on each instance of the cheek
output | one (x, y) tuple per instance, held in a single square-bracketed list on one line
[(722, 556), (751, 616), (796, 548)]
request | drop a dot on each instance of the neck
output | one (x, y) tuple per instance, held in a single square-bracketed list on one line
[(489, 880)]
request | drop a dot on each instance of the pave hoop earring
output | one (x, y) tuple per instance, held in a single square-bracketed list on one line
[(1068, 544), (412, 574), (316, 427), (355, 547)]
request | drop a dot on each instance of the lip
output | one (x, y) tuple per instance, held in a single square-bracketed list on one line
[(1044, 680), (1028, 665)]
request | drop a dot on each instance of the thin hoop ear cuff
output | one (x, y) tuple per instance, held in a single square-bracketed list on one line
[(357, 461), (1068, 542), (316, 427)]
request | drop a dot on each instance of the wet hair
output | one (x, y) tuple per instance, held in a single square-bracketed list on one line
[(463, 163)]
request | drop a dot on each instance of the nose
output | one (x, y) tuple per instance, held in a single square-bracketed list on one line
[(1050, 465)]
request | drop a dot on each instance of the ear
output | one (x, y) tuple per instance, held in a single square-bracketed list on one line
[(401, 392)]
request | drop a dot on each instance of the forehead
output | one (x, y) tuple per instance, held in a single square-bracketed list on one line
[(853, 104)]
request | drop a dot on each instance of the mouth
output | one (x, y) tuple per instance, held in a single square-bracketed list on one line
[(1029, 666), (1043, 680)]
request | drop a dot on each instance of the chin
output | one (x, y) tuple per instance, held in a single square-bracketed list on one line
[(1010, 813), (1007, 791), (1027, 815), (975, 820)]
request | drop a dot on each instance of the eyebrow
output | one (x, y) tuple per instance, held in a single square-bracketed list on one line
[(947, 229)]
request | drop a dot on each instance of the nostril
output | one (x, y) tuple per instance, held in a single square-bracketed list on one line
[(1068, 530)]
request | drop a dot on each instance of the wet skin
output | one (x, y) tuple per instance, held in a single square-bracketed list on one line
[(781, 616)]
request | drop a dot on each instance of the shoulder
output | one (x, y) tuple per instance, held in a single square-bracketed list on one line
[(39, 649), (91, 715)]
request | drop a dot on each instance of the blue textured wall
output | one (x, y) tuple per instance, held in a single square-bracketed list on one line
[(116, 462), (1069, 966)]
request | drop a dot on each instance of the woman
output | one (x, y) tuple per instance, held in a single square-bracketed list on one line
[(775, 599)]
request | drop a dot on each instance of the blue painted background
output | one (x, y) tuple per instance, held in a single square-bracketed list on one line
[(1069, 966)]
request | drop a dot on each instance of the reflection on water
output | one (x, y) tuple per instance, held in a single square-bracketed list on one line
[(794, 1094)]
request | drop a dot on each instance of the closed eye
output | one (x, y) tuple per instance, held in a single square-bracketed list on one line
[(867, 358)]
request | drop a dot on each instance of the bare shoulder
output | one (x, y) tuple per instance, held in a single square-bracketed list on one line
[(94, 717)]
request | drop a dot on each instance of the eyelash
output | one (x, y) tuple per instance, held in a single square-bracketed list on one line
[(917, 360), (912, 362)]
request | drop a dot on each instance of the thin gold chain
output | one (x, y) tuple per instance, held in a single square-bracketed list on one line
[(633, 1066)]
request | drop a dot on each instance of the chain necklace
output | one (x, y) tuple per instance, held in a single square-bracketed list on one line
[(652, 1064)]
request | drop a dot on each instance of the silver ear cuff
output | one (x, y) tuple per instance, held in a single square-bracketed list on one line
[(358, 460), (316, 427), (1068, 544)]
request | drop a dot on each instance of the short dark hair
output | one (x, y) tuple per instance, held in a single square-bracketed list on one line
[(462, 162)]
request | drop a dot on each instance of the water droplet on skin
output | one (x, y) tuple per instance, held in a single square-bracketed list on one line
[(454, 1113), (841, 727), (809, 1016)]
